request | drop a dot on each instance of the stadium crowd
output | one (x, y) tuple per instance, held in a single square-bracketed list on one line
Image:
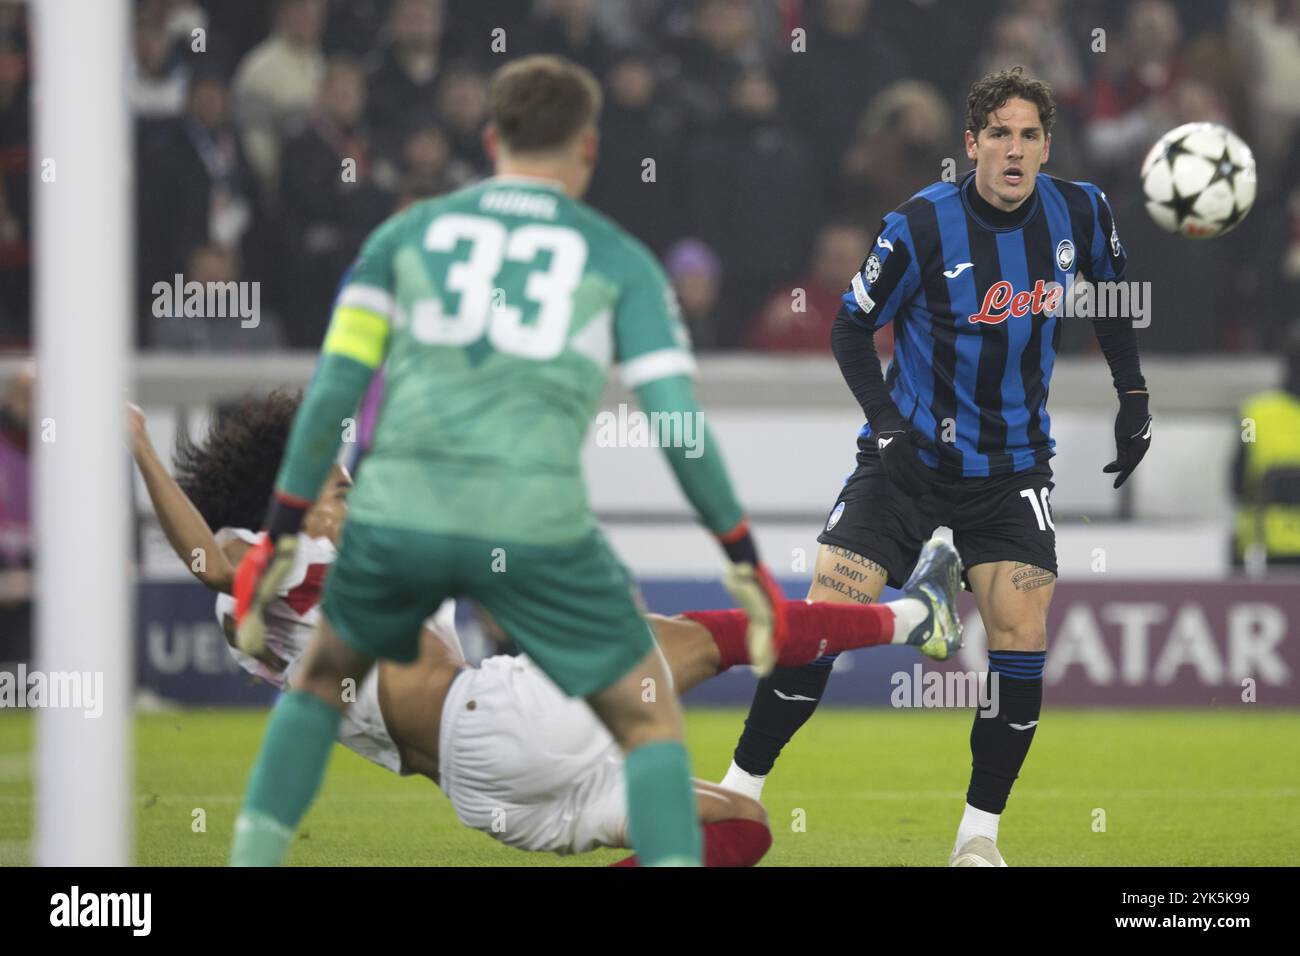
[(272, 136)]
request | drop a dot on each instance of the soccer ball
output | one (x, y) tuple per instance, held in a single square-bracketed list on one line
[(1199, 180)]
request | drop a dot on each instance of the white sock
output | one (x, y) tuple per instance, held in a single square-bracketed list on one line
[(908, 612), (743, 782), (975, 823)]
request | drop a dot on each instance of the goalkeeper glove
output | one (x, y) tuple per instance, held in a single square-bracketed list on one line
[(753, 588), (263, 570), (1132, 435)]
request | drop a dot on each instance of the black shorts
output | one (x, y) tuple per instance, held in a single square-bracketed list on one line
[(1004, 518)]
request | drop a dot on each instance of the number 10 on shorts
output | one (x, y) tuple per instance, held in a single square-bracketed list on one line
[(1043, 512)]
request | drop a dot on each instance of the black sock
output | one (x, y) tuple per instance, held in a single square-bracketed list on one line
[(774, 716), (998, 744)]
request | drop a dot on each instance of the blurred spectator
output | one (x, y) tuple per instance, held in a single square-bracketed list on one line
[(696, 275), (200, 187), (277, 81), (898, 148), (937, 42), (702, 65), (425, 167), (15, 171), (462, 105), (1264, 251), (637, 125), (761, 233), (1288, 207), (825, 90), (330, 201), (1124, 115), (625, 23), (1035, 34), (355, 27), (1269, 33), (16, 541), (236, 26), (569, 28), (403, 81), (160, 75), (217, 267), (798, 317)]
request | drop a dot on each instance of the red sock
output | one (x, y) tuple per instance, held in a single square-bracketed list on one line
[(735, 842), (811, 630), (729, 843)]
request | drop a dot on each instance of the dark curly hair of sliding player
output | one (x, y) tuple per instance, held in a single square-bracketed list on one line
[(992, 92), (230, 474)]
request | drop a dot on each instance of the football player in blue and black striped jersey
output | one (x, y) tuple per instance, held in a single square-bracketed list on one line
[(973, 275)]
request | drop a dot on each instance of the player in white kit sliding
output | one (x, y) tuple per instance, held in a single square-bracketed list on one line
[(518, 758)]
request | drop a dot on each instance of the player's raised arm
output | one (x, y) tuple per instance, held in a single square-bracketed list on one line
[(354, 349), (657, 364), (186, 531), (888, 277), (1118, 341)]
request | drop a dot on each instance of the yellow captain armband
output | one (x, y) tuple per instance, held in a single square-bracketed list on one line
[(358, 334)]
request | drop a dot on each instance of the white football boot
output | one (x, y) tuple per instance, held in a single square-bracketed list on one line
[(977, 851)]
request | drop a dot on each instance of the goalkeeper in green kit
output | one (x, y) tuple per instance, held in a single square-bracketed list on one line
[(498, 311)]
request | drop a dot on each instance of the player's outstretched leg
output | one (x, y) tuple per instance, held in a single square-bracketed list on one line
[(701, 644), (785, 699), (295, 751), (1013, 598)]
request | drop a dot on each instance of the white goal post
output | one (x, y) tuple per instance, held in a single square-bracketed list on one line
[(82, 183)]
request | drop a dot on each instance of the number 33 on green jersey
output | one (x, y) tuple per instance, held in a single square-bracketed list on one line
[(499, 310)]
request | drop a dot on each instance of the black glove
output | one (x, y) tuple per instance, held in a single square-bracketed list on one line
[(899, 456), (1132, 435)]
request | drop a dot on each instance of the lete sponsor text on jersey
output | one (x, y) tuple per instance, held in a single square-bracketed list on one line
[(1002, 301)]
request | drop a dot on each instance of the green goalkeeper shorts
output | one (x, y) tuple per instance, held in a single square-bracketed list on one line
[(568, 607)]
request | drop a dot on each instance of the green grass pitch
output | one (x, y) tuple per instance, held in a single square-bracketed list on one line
[(855, 787)]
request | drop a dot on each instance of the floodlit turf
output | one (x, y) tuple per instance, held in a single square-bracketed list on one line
[(856, 787)]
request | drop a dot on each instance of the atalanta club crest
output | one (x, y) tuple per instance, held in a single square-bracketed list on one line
[(835, 516), (1064, 255)]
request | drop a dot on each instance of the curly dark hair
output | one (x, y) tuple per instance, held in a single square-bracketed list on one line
[(231, 474), (992, 92)]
